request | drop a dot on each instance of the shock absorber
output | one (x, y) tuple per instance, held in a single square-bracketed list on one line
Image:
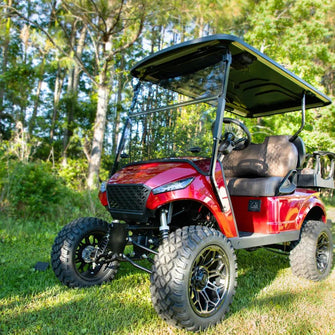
[(165, 220), (104, 242), (164, 228)]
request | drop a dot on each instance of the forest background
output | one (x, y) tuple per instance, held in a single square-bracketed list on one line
[(65, 83), (64, 89)]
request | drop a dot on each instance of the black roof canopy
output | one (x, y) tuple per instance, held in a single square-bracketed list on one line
[(257, 86)]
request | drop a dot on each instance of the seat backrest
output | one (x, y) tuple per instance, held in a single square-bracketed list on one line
[(275, 157), (300, 145)]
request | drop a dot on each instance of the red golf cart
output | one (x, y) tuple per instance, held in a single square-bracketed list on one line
[(187, 206)]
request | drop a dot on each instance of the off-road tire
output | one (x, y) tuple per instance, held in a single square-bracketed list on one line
[(312, 257), (67, 254), (180, 279)]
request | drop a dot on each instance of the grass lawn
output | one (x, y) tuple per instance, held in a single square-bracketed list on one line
[(269, 299)]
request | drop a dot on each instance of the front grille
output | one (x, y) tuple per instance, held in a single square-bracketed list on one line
[(127, 198)]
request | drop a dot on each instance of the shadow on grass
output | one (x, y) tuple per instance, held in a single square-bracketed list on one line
[(53, 308), (256, 270), (125, 303), (22, 279), (80, 314)]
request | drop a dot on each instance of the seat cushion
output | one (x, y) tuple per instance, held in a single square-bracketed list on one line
[(254, 187)]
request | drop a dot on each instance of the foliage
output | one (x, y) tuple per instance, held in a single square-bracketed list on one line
[(73, 173), (300, 35), (285, 30), (329, 199), (32, 190), (56, 55)]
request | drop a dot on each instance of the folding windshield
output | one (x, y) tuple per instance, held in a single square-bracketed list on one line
[(161, 126), (174, 117), (177, 132), (204, 85)]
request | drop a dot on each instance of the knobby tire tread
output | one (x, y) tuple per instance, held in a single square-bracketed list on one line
[(168, 275), (302, 256), (61, 254)]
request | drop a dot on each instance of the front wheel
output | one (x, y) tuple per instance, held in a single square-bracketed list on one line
[(193, 278), (312, 257), (74, 254)]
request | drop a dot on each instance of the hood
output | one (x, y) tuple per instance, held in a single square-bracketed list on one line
[(157, 173)]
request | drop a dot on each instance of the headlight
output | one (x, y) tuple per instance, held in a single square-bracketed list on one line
[(177, 185)]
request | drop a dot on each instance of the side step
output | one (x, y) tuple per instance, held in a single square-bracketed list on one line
[(251, 240)]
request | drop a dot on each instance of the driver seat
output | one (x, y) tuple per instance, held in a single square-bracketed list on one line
[(263, 169)]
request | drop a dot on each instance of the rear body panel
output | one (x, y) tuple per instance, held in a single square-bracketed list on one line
[(273, 215)]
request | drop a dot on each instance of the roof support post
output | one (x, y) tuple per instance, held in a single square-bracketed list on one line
[(217, 132), (303, 117)]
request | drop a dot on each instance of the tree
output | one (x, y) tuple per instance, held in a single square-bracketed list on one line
[(300, 35), (112, 26), (5, 29)]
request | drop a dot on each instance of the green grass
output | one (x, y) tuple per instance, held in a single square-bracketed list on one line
[(269, 299)]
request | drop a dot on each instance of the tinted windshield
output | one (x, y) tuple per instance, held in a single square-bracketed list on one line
[(174, 117), (206, 82)]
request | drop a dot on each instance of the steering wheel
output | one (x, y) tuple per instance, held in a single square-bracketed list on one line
[(236, 136)]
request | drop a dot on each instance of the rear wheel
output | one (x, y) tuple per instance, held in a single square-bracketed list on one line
[(193, 279), (75, 250), (312, 257)]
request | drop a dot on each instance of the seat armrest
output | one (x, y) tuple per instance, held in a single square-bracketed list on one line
[(287, 185)]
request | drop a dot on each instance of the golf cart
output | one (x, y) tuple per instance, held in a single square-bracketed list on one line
[(217, 191)]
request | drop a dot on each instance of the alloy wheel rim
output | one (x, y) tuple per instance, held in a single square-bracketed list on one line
[(84, 257), (323, 251), (209, 282)]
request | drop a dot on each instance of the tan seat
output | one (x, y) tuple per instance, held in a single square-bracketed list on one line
[(260, 169)]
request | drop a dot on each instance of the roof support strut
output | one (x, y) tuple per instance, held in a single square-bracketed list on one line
[(303, 111), (217, 132)]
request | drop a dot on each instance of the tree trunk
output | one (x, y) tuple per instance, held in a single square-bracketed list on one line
[(72, 91), (99, 131), (71, 100), (57, 92), (37, 98)]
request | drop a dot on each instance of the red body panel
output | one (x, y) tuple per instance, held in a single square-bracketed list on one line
[(155, 174), (275, 215), (199, 190)]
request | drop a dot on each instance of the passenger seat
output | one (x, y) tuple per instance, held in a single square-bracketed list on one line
[(260, 169)]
